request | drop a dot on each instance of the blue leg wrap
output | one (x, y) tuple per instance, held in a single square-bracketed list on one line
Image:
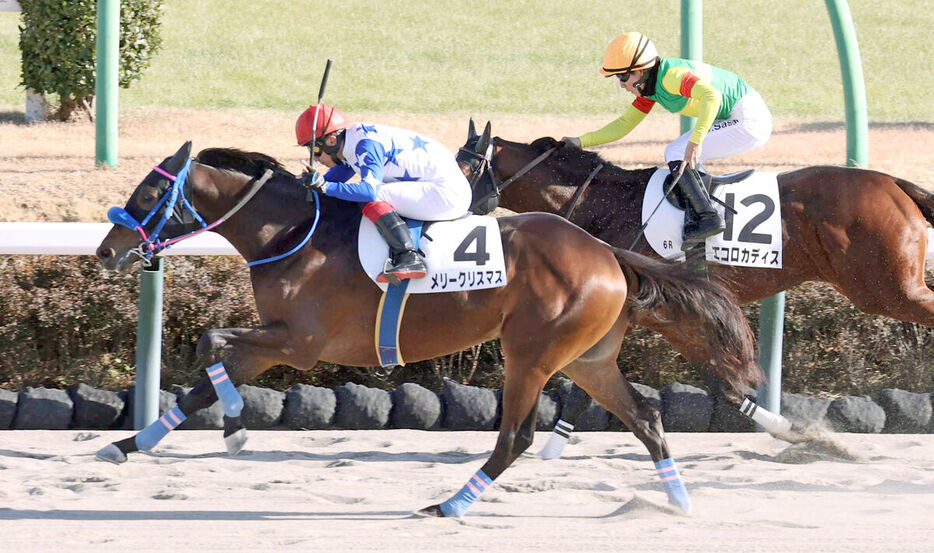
[(148, 437), (226, 391), (462, 500), (674, 486)]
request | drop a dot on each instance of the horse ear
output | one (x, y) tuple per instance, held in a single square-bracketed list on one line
[(178, 159), (471, 130), (484, 142)]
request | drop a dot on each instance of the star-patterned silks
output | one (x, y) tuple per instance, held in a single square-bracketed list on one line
[(382, 154), (418, 143), (392, 154), (407, 176)]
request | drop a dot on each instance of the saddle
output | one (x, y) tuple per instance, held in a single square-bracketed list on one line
[(711, 183)]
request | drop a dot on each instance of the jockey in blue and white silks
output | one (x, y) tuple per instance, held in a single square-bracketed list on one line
[(401, 173)]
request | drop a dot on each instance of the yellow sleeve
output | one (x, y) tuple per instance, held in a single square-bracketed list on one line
[(706, 98), (616, 129)]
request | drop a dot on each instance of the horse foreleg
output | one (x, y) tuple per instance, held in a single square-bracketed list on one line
[(577, 401), (516, 431), (237, 355), (247, 352), (201, 396)]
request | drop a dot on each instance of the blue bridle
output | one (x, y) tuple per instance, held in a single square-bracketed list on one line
[(152, 245)]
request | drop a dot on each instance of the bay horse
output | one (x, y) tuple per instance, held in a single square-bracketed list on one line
[(568, 302), (861, 231)]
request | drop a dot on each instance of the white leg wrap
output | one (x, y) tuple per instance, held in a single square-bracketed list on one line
[(557, 441), (772, 422)]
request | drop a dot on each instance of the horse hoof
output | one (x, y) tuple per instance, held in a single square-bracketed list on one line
[(235, 441), (682, 504), (548, 454), (111, 454), (433, 511)]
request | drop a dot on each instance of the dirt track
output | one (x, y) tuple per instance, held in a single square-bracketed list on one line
[(356, 491), (47, 170)]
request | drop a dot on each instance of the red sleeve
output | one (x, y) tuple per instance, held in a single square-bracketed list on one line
[(687, 84), (643, 104)]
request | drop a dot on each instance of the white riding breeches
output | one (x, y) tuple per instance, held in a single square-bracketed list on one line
[(748, 126), (427, 201)]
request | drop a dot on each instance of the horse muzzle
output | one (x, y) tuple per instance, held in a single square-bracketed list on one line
[(116, 260), (119, 250)]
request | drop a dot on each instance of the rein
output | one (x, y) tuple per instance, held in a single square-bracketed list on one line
[(487, 163), (151, 245), (525, 169), (580, 192)]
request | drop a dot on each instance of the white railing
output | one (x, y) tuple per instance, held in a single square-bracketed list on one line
[(83, 239)]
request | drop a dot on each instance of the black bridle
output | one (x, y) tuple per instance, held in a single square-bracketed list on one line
[(481, 166)]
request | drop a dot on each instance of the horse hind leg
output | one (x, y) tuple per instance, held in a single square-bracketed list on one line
[(516, 432), (606, 384), (883, 274)]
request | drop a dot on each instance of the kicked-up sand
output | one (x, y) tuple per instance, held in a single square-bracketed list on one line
[(357, 491)]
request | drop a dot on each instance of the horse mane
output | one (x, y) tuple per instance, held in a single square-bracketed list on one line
[(248, 163), (343, 216), (575, 163)]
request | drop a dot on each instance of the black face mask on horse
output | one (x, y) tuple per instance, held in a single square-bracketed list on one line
[(475, 158)]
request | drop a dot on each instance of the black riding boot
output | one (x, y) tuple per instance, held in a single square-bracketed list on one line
[(404, 262), (705, 221)]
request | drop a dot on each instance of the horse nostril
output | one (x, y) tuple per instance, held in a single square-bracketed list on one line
[(105, 253)]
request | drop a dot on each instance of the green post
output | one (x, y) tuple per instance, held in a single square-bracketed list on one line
[(854, 89), (692, 40), (106, 86), (771, 322), (771, 327), (148, 346)]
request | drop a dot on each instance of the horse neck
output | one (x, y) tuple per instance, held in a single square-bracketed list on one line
[(546, 187), (533, 191), (613, 193), (254, 228)]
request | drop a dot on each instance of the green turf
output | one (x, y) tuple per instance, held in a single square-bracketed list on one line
[(515, 56)]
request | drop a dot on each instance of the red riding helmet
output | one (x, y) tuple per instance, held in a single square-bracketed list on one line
[(330, 119)]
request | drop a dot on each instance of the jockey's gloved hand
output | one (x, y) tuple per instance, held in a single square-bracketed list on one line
[(571, 141), (313, 180)]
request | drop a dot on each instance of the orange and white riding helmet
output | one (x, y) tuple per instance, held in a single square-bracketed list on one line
[(329, 119), (628, 52)]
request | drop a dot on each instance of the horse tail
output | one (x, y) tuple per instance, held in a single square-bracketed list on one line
[(670, 298), (921, 197)]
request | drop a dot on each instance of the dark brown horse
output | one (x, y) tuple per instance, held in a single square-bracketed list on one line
[(861, 231), (568, 303)]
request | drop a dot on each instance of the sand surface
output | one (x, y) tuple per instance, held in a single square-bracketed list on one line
[(356, 491)]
